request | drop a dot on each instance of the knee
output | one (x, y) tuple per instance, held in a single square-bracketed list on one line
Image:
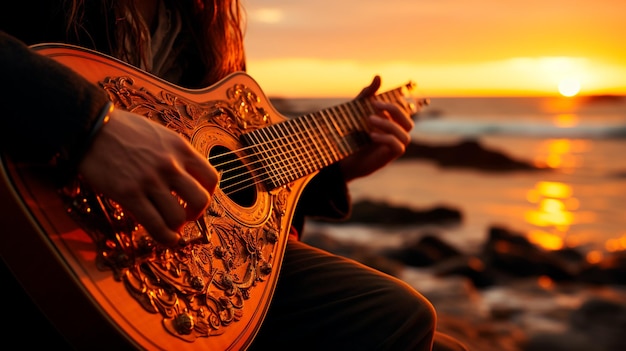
[(414, 320), (413, 308), (418, 310)]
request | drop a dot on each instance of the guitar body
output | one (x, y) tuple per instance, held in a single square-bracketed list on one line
[(98, 275)]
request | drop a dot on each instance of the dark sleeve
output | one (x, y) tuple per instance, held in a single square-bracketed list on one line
[(48, 109), (325, 197)]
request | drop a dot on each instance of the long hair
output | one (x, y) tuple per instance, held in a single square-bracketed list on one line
[(213, 27)]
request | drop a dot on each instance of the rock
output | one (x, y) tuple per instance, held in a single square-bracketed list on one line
[(467, 154), (568, 341), (611, 270), (452, 295), (426, 251), (380, 213), (496, 299), (471, 267), (604, 321), (512, 253), (597, 325), (620, 174)]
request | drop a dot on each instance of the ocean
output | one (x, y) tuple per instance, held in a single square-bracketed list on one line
[(579, 202)]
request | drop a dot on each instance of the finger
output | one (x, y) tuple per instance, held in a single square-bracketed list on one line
[(371, 89), (169, 206), (196, 184), (203, 172), (194, 196), (396, 113), (145, 213), (394, 146), (388, 127)]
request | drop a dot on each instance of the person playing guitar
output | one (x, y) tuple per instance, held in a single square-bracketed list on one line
[(58, 118)]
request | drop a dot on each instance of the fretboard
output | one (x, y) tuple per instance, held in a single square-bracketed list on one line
[(297, 147)]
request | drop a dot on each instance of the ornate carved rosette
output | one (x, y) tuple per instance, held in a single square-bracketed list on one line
[(201, 287)]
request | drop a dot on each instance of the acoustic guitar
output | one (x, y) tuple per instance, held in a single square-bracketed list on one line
[(99, 276)]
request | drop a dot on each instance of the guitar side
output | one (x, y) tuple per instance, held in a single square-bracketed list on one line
[(71, 265)]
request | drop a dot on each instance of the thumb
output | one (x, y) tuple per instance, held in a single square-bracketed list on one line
[(371, 89)]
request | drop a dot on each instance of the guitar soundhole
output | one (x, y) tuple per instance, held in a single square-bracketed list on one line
[(237, 182)]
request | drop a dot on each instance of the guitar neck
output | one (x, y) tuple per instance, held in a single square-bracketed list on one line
[(300, 146)]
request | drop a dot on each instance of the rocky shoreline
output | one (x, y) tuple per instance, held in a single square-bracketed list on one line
[(511, 295), (507, 295), (468, 153)]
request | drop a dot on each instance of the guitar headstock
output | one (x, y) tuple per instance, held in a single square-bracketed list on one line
[(412, 102)]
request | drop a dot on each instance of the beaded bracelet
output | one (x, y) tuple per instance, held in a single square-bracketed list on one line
[(103, 119)]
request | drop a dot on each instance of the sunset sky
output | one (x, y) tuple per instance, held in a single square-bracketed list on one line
[(332, 48)]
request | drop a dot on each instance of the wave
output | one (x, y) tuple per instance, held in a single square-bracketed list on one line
[(471, 127), (595, 117)]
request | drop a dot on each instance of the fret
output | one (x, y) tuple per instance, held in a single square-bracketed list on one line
[(385, 97), (356, 125), (398, 99), (272, 155), (340, 143), (350, 125), (306, 147), (395, 96), (380, 97), (291, 161), (312, 141), (330, 151), (300, 148), (347, 128), (355, 109), (359, 129), (362, 107), (339, 133), (282, 150), (353, 125), (259, 153)]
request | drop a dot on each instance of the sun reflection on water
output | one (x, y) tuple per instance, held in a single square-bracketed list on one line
[(554, 213), (561, 153), (555, 204), (566, 120)]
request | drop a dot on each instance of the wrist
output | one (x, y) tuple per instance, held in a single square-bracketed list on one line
[(102, 119), (69, 157)]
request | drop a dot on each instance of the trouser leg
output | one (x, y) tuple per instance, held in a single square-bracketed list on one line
[(327, 302)]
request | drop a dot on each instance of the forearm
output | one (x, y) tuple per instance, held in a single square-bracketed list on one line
[(48, 109), (325, 197)]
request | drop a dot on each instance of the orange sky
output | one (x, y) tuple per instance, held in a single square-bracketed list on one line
[(326, 48)]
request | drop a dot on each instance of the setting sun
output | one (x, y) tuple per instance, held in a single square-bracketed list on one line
[(569, 87)]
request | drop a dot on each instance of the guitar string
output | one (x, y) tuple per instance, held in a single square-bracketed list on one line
[(261, 144), (315, 136), (322, 157), (314, 154), (296, 156), (297, 136)]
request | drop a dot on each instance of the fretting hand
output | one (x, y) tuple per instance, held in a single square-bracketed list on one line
[(390, 136)]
